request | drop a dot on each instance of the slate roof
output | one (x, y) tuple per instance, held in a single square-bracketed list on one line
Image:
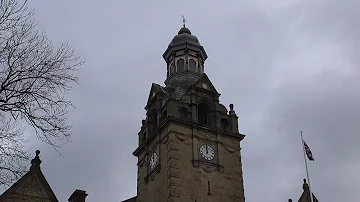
[(182, 86)]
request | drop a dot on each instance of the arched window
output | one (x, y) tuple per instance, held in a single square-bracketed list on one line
[(203, 114), (183, 113), (192, 65), (180, 65), (199, 69), (224, 124)]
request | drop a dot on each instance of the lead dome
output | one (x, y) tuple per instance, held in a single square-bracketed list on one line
[(184, 35)]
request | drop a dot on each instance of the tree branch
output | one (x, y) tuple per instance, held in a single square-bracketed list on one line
[(35, 77)]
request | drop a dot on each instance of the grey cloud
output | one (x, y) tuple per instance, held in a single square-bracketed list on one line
[(287, 66)]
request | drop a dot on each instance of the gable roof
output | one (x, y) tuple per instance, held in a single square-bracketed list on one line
[(32, 185), (305, 196), (155, 89), (204, 79)]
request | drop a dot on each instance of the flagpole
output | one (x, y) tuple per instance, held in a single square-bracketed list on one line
[(306, 167)]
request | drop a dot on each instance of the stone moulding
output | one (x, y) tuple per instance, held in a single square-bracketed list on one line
[(229, 149), (181, 137)]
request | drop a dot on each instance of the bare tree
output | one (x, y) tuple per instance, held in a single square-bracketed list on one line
[(35, 77)]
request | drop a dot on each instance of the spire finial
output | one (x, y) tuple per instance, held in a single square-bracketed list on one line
[(232, 111), (35, 163), (305, 185), (184, 20)]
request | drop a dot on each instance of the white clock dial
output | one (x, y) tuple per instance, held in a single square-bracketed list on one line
[(153, 160), (207, 152)]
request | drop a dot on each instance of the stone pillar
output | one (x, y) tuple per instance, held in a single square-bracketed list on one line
[(233, 120)]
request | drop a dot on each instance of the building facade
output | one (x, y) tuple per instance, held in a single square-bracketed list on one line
[(189, 143)]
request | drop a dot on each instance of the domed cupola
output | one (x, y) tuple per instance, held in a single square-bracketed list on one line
[(184, 35), (185, 59)]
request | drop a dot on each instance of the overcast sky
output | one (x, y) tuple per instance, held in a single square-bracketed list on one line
[(286, 65)]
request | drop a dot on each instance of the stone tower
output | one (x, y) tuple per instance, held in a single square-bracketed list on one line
[(189, 143)]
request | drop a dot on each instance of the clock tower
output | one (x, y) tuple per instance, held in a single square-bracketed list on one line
[(189, 143)]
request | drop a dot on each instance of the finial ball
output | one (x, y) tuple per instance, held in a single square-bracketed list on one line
[(304, 180), (37, 152)]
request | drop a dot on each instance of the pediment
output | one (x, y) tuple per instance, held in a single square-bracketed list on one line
[(204, 83), (31, 187), (155, 90)]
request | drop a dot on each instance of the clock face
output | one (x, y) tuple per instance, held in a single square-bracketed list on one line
[(153, 161), (207, 152)]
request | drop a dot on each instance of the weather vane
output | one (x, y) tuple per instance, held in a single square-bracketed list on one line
[(184, 20)]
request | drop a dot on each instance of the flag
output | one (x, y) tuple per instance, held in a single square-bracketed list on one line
[(308, 152)]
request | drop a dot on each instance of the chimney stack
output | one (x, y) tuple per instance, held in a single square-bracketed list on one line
[(78, 196)]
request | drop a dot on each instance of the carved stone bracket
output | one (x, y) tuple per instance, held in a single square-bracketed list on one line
[(166, 139), (229, 149), (204, 135), (208, 169), (141, 162), (181, 137)]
